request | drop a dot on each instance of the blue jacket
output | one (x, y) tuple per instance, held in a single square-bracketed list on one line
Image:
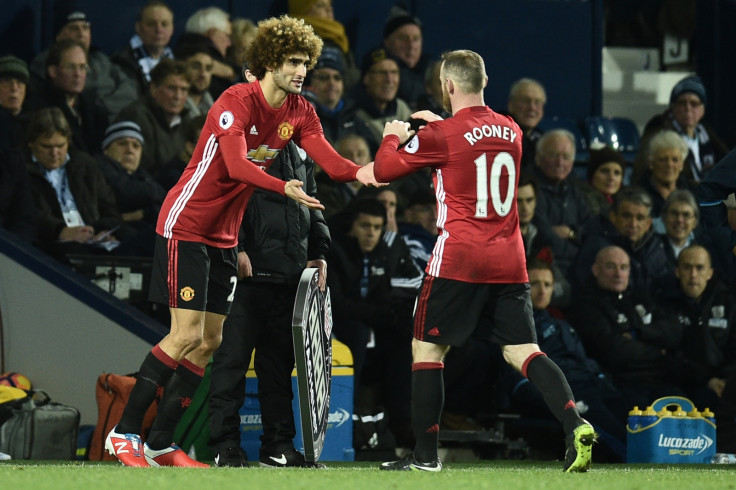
[(559, 340)]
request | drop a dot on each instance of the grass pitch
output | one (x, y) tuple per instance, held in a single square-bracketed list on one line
[(500, 475)]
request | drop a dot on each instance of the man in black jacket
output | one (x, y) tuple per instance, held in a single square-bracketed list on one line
[(67, 66), (706, 311), (161, 114), (373, 285), (629, 226), (629, 336), (76, 207), (561, 207), (138, 195), (278, 238)]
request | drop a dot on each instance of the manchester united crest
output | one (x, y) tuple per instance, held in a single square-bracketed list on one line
[(286, 130), (186, 293)]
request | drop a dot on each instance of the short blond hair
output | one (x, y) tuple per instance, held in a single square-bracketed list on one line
[(466, 69)]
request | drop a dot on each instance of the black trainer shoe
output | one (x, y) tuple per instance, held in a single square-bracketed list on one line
[(578, 448), (291, 458), (409, 463), (232, 457)]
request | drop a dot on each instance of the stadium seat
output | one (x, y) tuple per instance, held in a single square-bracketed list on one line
[(619, 133)]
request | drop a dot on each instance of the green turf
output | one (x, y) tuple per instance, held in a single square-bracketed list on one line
[(500, 475)]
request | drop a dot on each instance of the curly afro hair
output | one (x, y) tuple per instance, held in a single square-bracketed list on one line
[(277, 38)]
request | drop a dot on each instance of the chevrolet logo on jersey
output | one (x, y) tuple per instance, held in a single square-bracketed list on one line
[(262, 153)]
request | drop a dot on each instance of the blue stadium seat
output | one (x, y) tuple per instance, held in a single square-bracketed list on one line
[(619, 133)]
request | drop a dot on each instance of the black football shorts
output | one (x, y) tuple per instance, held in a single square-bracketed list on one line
[(448, 312), (193, 276)]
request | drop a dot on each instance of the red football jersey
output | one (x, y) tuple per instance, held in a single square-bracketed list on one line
[(207, 203), (475, 156)]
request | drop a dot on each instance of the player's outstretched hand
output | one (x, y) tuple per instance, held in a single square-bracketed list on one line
[(366, 177), (401, 129), (293, 189)]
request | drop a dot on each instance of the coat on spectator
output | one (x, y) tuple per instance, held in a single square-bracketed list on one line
[(18, 212), (94, 198), (163, 142)]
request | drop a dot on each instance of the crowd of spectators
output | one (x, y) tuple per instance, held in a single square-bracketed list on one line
[(635, 286)]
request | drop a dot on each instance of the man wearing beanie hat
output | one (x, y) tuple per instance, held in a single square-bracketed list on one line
[(138, 195), (402, 37), (685, 116), (336, 112), (12, 67), (106, 81), (13, 85)]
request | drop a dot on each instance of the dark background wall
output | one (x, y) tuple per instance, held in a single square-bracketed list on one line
[(557, 42)]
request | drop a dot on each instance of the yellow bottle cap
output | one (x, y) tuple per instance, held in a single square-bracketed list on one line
[(635, 411), (694, 413), (707, 413), (649, 411)]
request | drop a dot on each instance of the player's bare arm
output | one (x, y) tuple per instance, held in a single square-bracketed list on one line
[(293, 190), (401, 129), (338, 168)]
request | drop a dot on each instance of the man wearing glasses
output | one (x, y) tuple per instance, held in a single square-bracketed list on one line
[(685, 116), (105, 80), (64, 87)]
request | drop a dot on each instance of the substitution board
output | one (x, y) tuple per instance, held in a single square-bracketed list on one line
[(311, 330)]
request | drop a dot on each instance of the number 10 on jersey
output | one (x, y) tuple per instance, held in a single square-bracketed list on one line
[(483, 183)]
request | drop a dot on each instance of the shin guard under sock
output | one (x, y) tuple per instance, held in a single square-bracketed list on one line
[(178, 395), (552, 384), (156, 369), (427, 400)]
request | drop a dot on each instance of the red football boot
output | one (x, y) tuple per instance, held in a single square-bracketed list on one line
[(127, 448), (170, 456)]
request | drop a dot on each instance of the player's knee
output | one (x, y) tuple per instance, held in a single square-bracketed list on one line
[(517, 355), (210, 343), (189, 341), (427, 352)]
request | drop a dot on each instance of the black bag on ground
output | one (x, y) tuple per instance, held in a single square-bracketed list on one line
[(40, 429)]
